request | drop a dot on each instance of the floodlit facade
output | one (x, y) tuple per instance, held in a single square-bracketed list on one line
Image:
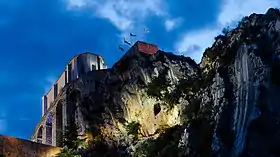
[(54, 113), (78, 66), (58, 107)]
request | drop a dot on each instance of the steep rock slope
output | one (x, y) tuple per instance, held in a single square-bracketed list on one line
[(245, 87), (133, 101), (167, 105)]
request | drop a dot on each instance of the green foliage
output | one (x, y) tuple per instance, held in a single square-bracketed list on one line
[(171, 99), (191, 111), (229, 54), (158, 86), (71, 140), (207, 78), (195, 111), (242, 22), (220, 37), (68, 152), (71, 136), (226, 30), (133, 128), (161, 129), (211, 54), (146, 148), (226, 54), (97, 139), (165, 145), (194, 83), (199, 117), (81, 143)]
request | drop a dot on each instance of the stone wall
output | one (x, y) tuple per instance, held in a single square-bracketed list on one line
[(60, 109), (14, 147)]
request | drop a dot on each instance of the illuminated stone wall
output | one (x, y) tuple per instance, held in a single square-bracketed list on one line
[(14, 147)]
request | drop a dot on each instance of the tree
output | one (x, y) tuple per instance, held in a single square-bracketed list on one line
[(71, 136), (66, 152), (226, 30)]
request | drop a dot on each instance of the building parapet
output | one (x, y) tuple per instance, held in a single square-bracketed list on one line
[(10, 146), (83, 73)]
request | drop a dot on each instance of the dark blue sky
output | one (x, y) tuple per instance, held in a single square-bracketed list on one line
[(38, 38)]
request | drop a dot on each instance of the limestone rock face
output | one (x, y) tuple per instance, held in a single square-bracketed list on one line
[(228, 105), (243, 91), (133, 90)]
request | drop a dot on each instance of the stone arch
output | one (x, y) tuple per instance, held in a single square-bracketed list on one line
[(75, 95), (49, 129), (73, 99), (39, 137), (59, 124), (73, 120)]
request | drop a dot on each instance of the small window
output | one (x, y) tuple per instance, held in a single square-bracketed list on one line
[(93, 67), (45, 104), (98, 62), (69, 72), (55, 90), (65, 75)]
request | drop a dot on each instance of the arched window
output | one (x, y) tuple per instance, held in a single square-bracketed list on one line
[(49, 129), (59, 127), (40, 135), (93, 67)]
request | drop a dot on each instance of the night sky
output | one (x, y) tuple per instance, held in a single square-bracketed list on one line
[(38, 38)]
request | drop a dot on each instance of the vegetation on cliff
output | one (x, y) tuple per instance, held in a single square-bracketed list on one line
[(204, 97)]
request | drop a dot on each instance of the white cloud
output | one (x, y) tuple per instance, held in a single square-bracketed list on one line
[(171, 24), (76, 3), (124, 14), (234, 10), (202, 38), (128, 16), (231, 12)]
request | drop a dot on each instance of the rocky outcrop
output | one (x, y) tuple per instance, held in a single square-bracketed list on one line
[(167, 105), (136, 90), (246, 112)]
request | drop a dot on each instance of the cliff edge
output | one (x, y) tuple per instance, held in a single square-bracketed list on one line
[(167, 105)]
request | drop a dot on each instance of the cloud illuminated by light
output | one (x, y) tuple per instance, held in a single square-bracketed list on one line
[(231, 12)]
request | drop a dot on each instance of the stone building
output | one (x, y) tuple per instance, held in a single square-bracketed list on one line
[(88, 74), (54, 114)]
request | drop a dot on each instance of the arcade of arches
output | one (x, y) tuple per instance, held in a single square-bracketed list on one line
[(52, 126), (50, 132)]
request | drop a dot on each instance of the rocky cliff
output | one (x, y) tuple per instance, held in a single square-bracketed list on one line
[(167, 105)]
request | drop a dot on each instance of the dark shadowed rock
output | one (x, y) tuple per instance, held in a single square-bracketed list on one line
[(166, 105)]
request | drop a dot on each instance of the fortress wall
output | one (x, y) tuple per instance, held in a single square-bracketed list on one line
[(14, 147), (61, 81)]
